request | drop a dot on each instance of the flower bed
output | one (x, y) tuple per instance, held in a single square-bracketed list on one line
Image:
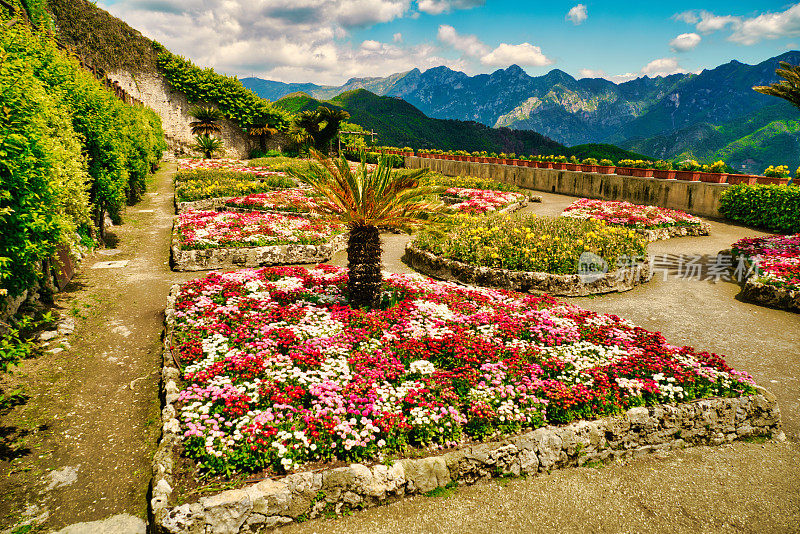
[(776, 261), (529, 243), (650, 221), (205, 240), (280, 371), (477, 201), (230, 165), (199, 184), (288, 200)]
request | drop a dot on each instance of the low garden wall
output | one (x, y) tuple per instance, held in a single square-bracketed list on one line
[(300, 496), (212, 259), (567, 285), (656, 234), (698, 198), (771, 296)]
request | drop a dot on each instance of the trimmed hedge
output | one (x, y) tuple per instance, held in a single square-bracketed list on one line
[(69, 151), (773, 207), (394, 160)]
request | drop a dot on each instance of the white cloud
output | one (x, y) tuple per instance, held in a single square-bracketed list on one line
[(397, 38), (685, 42), (470, 45), (437, 7), (663, 67), (689, 17), (768, 26), (592, 73), (289, 40), (577, 14), (524, 54), (708, 22)]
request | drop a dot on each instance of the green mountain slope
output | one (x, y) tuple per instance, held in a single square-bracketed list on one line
[(769, 136)]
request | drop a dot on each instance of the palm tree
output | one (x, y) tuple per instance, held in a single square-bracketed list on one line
[(788, 88), (365, 201), (262, 131), (333, 119), (206, 118), (207, 145)]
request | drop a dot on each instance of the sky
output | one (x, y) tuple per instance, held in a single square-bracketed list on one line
[(331, 41)]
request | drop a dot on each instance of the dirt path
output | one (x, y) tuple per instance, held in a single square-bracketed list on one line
[(80, 448)]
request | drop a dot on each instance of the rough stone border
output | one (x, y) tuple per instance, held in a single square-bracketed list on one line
[(655, 234), (508, 208), (271, 503), (243, 257), (770, 296), (565, 285)]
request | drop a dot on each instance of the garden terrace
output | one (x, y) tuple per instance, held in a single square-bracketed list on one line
[(652, 222), (775, 260)]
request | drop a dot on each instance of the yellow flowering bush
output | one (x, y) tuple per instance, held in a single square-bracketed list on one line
[(528, 243), (466, 182), (781, 171)]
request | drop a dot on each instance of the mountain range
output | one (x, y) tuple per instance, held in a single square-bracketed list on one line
[(711, 115)]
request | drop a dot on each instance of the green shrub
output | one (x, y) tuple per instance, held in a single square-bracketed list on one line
[(467, 182), (279, 163), (773, 207), (236, 102), (529, 243), (395, 160)]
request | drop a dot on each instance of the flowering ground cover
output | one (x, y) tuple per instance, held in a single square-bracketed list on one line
[(212, 229), (478, 201), (230, 165), (629, 215), (293, 200), (777, 258), (198, 184), (280, 371), (529, 243)]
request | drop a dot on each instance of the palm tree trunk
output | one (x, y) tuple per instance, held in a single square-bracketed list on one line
[(364, 264)]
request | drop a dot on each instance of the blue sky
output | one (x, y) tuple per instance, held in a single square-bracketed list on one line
[(329, 41)]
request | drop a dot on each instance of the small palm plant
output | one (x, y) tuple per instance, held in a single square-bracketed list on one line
[(365, 201), (207, 145), (205, 120)]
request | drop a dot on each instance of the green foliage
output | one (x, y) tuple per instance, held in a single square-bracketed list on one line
[(199, 184), (207, 145), (394, 160), (238, 104), (781, 171), (774, 207), (279, 163), (788, 88), (205, 120), (69, 150), (467, 182)]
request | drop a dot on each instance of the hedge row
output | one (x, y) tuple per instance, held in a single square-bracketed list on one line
[(773, 207), (69, 151), (373, 157), (236, 102)]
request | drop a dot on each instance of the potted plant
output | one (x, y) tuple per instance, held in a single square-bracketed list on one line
[(560, 162), (642, 169), (625, 167), (688, 170), (572, 163), (408, 151), (606, 166), (716, 173), (663, 169), (589, 165), (775, 175), (546, 162)]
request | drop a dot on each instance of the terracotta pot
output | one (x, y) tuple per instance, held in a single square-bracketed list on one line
[(572, 166), (589, 168), (560, 166), (770, 180), (606, 169), (548, 165), (748, 179), (689, 176), (642, 173), (664, 174), (625, 171), (529, 163), (713, 177), (516, 162)]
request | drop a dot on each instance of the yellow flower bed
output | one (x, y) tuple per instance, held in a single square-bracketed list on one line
[(529, 243), (199, 184)]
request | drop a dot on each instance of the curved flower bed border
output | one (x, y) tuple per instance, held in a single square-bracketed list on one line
[(565, 285), (774, 270), (300, 496), (242, 257), (655, 234), (770, 296)]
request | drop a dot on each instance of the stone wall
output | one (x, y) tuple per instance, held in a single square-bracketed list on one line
[(656, 234), (243, 257), (698, 198), (173, 108), (306, 495), (566, 285), (771, 296)]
